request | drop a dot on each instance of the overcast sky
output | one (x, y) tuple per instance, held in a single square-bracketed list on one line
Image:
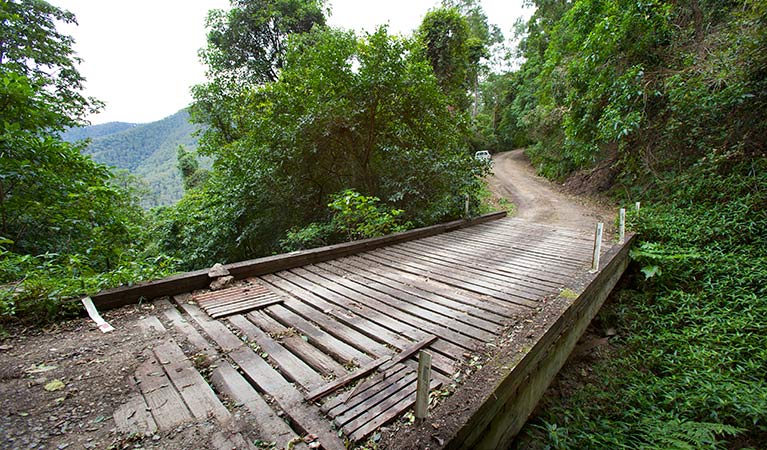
[(140, 56)]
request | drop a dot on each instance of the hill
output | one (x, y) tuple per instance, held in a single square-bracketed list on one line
[(146, 150)]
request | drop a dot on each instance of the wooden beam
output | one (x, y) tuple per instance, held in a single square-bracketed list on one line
[(189, 281)]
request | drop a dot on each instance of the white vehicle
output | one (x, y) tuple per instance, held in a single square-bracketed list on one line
[(483, 155)]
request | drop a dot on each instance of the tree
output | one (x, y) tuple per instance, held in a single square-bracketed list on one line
[(246, 48), (52, 198), (365, 114)]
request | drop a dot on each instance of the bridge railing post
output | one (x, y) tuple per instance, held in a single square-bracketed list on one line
[(422, 386), (622, 226), (597, 248)]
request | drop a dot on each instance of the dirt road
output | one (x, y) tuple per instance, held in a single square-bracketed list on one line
[(538, 200)]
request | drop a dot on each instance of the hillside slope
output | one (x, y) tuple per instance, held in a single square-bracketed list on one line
[(146, 150)]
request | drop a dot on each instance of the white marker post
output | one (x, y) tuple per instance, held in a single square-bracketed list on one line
[(466, 207), (597, 248), (422, 386), (637, 206), (622, 226)]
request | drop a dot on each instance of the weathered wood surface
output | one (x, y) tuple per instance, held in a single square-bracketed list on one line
[(505, 410), (341, 342)]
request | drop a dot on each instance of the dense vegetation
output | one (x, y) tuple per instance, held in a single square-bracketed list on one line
[(664, 103), (67, 224), (147, 151), (314, 116), (319, 135)]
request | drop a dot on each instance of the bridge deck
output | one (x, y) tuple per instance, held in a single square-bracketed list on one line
[(451, 294)]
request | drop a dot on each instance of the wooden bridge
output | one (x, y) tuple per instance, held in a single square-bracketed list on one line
[(320, 347)]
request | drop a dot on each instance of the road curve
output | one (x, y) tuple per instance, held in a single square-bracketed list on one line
[(537, 200)]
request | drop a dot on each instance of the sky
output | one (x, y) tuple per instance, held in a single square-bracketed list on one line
[(140, 56)]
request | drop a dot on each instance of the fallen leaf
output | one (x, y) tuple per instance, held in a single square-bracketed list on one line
[(39, 368), (54, 385)]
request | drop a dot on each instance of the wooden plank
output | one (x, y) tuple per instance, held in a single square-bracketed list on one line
[(193, 337), (490, 262), (289, 364), (269, 425), (364, 319), (469, 306), (198, 396), (303, 349), (336, 348), (151, 326), (518, 391), (308, 304), (453, 280), (164, 402), (426, 284), (382, 418), (365, 408), (464, 273), (368, 388), (217, 331), (222, 440), (455, 311), (512, 264), (367, 369), (189, 281), (133, 417), (266, 378), (460, 343)]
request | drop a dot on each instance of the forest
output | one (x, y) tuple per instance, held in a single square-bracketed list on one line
[(319, 135)]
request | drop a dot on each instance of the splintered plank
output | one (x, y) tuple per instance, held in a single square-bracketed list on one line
[(289, 338), (363, 409), (168, 410), (197, 395), (133, 417), (290, 365), (236, 300), (270, 426), (265, 377), (367, 369), (366, 389)]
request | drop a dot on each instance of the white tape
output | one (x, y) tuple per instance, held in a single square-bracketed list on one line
[(95, 316)]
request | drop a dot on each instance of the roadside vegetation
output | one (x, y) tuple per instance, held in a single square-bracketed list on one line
[(661, 103), (319, 135)]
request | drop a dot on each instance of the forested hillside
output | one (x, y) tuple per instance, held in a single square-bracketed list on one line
[(663, 103), (145, 150)]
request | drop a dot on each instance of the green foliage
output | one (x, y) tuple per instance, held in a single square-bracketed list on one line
[(43, 286), (354, 113), (692, 345), (357, 216), (651, 85), (67, 224)]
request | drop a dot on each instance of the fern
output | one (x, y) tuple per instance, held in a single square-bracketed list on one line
[(684, 435)]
